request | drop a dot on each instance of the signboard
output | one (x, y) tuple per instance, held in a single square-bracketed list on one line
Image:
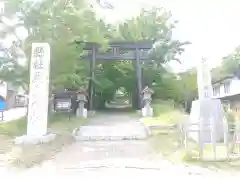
[(39, 89), (63, 105)]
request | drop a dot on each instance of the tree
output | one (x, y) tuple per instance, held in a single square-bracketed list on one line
[(11, 47), (153, 24), (55, 23), (61, 22), (230, 65)]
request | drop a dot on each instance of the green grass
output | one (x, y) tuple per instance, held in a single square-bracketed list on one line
[(56, 122), (13, 128), (163, 114), (26, 156), (168, 146)]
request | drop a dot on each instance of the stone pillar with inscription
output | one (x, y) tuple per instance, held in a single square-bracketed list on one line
[(38, 97), (206, 112)]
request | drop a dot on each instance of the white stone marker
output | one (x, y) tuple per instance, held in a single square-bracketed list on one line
[(204, 81), (205, 111), (38, 96)]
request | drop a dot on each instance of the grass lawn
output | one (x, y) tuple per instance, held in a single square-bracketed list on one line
[(26, 156), (168, 144), (164, 114)]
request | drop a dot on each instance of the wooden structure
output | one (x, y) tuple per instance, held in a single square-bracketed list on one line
[(117, 50)]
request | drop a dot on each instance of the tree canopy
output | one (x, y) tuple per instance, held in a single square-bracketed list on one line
[(230, 65), (61, 22)]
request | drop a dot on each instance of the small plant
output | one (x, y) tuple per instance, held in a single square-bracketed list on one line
[(231, 121)]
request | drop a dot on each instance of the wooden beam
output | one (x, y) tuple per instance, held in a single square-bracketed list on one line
[(113, 58), (131, 45), (91, 87), (138, 70)]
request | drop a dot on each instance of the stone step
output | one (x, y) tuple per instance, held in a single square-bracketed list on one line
[(109, 133), (108, 138)]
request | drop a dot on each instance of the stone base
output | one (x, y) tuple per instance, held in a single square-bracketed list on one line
[(149, 133), (83, 114), (207, 112), (108, 133), (139, 112), (25, 139), (147, 112), (91, 113)]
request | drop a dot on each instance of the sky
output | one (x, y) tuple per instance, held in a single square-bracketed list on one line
[(213, 27)]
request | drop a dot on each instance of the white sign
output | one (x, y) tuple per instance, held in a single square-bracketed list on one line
[(64, 104), (3, 90), (39, 89), (204, 80), (2, 7)]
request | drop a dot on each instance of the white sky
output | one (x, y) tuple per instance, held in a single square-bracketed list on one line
[(213, 26)]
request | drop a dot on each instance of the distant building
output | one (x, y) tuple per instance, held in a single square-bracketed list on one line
[(228, 90), (12, 95)]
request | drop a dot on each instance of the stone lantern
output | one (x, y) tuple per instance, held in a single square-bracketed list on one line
[(147, 110), (82, 100)]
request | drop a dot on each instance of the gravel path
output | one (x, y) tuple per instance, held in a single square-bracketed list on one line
[(126, 159), (113, 127)]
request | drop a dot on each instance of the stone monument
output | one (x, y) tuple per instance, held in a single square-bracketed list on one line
[(38, 97), (81, 99), (207, 114), (147, 110)]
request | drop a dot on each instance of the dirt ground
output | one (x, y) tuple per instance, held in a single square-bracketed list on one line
[(114, 159)]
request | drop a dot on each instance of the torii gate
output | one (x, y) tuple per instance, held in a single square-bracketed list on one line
[(117, 50)]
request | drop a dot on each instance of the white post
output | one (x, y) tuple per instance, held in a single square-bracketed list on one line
[(39, 85), (206, 110), (2, 5), (204, 80), (38, 96)]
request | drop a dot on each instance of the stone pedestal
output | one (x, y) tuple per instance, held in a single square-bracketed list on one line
[(147, 111), (25, 139), (82, 113), (207, 115), (91, 113)]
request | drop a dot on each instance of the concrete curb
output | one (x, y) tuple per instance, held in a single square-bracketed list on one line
[(107, 138), (149, 133), (23, 140), (79, 137)]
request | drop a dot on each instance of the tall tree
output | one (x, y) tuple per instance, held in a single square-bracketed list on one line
[(12, 55), (230, 65), (61, 22)]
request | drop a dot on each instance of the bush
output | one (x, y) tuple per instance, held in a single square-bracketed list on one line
[(164, 113), (231, 121), (14, 128)]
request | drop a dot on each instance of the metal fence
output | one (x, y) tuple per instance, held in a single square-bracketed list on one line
[(230, 134)]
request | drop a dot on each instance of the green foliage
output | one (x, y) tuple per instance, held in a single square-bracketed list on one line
[(187, 85), (61, 22), (14, 128), (230, 64), (231, 121), (164, 114)]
